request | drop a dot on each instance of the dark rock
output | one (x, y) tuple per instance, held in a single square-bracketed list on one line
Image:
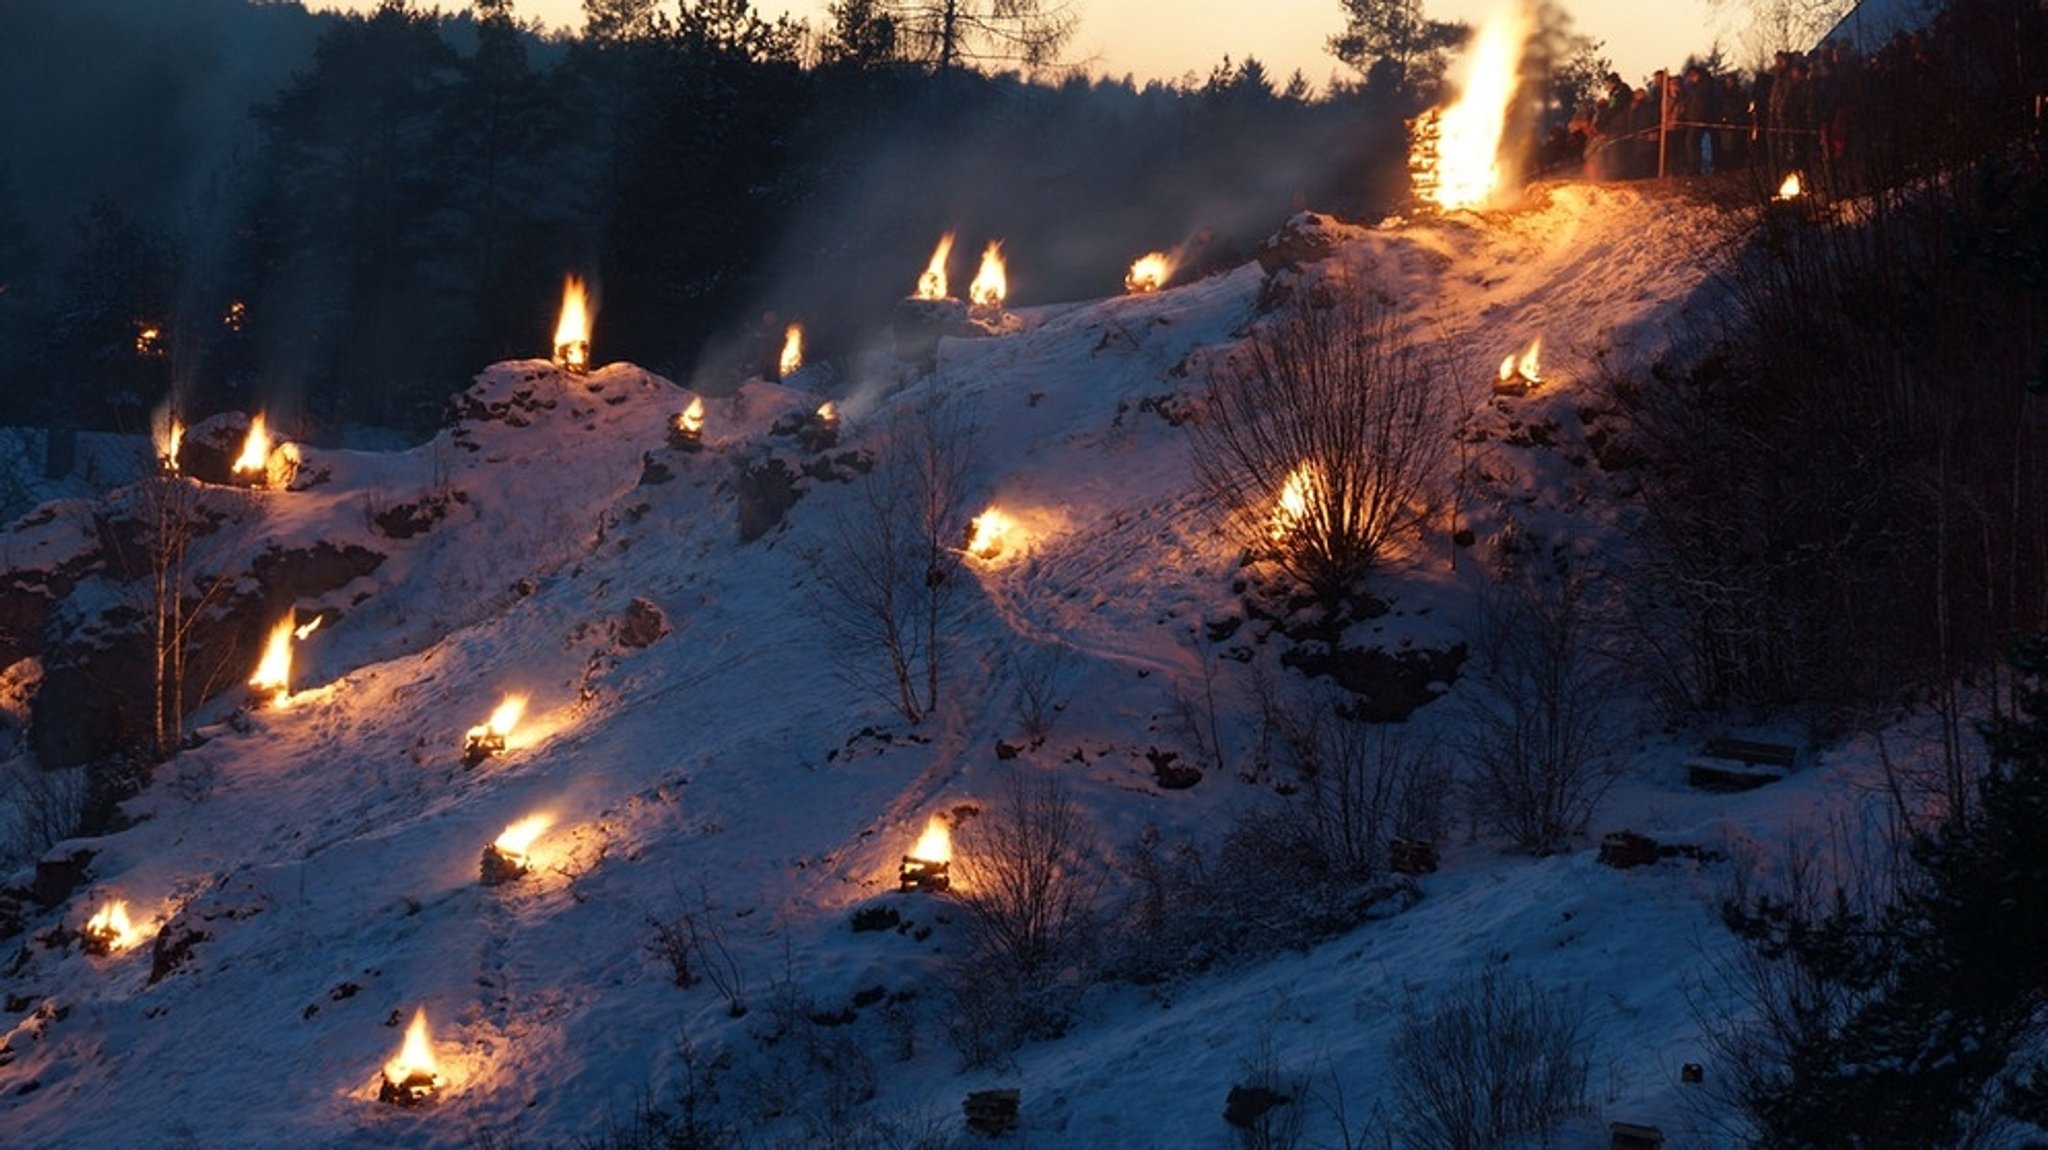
[(992, 1113), (875, 918), (767, 490), (417, 517), (173, 948), (642, 624), (57, 875), (1303, 239), (653, 472), (1246, 1105), (1169, 772), (1389, 687)]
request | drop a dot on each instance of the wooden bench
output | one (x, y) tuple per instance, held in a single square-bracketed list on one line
[(1761, 763)]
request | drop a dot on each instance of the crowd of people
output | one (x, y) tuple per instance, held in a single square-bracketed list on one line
[(1807, 112)]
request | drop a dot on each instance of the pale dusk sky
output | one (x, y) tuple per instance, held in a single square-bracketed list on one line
[(1166, 39)]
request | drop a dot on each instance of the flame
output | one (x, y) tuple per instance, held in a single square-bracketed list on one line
[(518, 839), (255, 455), (1790, 189), (691, 421), (236, 317), (1296, 496), (1527, 366), (111, 925), (572, 330), (167, 434), (1148, 273), (1466, 170), (503, 719), (828, 412), (307, 629), (932, 284), (149, 340), (989, 530), (990, 285), (416, 1056), (274, 671), (935, 845), (792, 349)]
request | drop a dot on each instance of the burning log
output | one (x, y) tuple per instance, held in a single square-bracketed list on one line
[(412, 1078), (1148, 273), (507, 858), (109, 930), (686, 433), (572, 329), (820, 432), (490, 737), (1519, 374), (991, 284), (1454, 152), (928, 865)]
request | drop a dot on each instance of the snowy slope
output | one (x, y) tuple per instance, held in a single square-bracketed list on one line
[(325, 855)]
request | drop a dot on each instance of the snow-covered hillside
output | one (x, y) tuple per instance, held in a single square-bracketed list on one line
[(321, 860)]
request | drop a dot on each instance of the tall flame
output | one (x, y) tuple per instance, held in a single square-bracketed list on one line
[(505, 716), (691, 421), (1468, 161), (572, 330), (274, 670), (518, 838), (935, 844), (112, 926), (1791, 188), (1148, 273), (990, 284), (167, 435), (932, 284), (1296, 497), (255, 455), (792, 349), (1528, 366), (416, 1055)]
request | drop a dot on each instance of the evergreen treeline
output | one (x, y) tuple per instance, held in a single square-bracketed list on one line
[(392, 199)]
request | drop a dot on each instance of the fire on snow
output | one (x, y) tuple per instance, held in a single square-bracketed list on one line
[(572, 330), (935, 844), (491, 737), (1790, 189), (990, 284), (792, 350), (1295, 496), (691, 421), (517, 841), (1148, 273), (1526, 367), (273, 675), (987, 534), (1456, 159), (414, 1075), (167, 433), (255, 454), (110, 930), (932, 284)]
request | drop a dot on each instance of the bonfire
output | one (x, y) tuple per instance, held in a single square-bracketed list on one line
[(985, 295), (509, 856), (792, 358), (414, 1076), (109, 930), (927, 866), (1454, 156), (1520, 373), (1148, 273), (490, 737), (932, 284), (572, 330)]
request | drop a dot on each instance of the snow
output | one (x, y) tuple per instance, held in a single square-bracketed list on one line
[(329, 850)]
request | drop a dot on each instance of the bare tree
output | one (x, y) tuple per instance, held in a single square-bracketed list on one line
[(1003, 33), (891, 564), (1771, 26), (1489, 1060), (1325, 443), (1535, 726)]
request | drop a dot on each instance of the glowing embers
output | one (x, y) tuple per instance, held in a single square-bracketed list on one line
[(263, 461), (1148, 273), (792, 358), (272, 682), (150, 342), (1520, 373), (509, 857), (931, 285), (1454, 156), (1790, 189), (927, 866), (109, 931), (414, 1077), (572, 330), (991, 284), (686, 431), (991, 533), (489, 738)]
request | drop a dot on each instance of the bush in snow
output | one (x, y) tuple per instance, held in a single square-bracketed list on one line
[(1325, 441), (1536, 715), (1492, 1058), (1029, 883)]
